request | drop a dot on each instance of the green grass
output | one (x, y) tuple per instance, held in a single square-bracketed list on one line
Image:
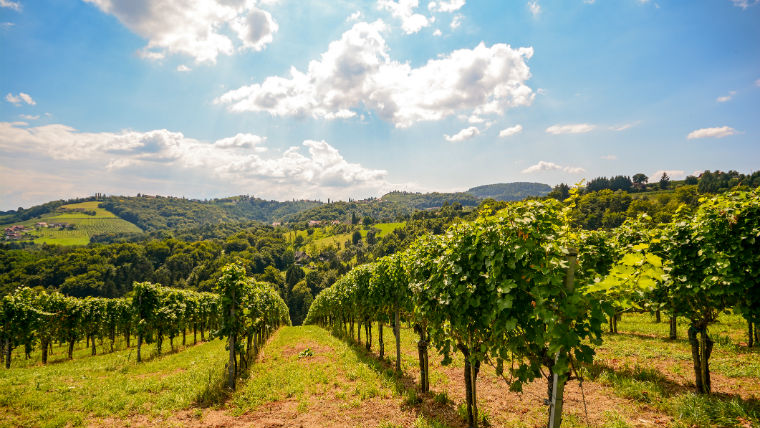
[(334, 369), (86, 390), (86, 225), (323, 237)]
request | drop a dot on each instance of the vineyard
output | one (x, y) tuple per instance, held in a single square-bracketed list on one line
[(512, 319), (85, 219)]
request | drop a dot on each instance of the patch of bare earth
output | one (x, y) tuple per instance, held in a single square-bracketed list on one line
[(507, 409)]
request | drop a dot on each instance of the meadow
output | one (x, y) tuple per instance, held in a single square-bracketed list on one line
[(98, 221)]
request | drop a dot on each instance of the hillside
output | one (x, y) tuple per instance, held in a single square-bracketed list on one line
[(156, 213), (510, 191), (152, 213), (71, 224)]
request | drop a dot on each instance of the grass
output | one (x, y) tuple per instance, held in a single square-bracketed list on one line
[(332, 369), (86, 225), (305, 376), (323, 237), (102, 387)]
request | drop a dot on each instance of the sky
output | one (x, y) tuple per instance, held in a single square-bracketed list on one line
[(294, 99)]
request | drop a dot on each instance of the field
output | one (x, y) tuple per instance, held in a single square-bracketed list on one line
[(639, 379), (322, 237), (85, 225)]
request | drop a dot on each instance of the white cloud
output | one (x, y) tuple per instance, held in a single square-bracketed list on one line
[(462, 135), (183, 68), (718, 132), (725, 98), (577, 128), (608, 157), (11, 5), (354, 16), (757, 82), (456, 22), (201, 29), (551, 166), (357, 72), (512, 130), (437, 32), (446, 6), (744, 3), (20, 98), (404, 10), (534, 7), (673, 174), (234, 164), (623, 127), (29, 116)]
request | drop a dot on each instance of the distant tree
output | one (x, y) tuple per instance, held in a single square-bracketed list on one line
[(597, 184), (640, 180), (371, 237), (367, 220), (356, 237), (664, 181), (293, 275), (691, 180), (621, 182), (560, 192), (299, 302), (298, 241)]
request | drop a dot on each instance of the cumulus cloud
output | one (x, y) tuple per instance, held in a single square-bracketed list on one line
[(744, 3), (726, 98), (623, 127), (404, 10), (11, 5), (551, 166), (577, 128), (512, 130), (236, 163), (354, 16), (534, 7), (673, 174), (462, 135), (20, 98), (609, 157), (201, 29), (437, 32), (718, 132), (357, 72), (446, 6), (29, 116), (456, 22), (183, 68)]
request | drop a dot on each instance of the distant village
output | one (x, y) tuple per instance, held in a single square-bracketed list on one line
[(19, 232)]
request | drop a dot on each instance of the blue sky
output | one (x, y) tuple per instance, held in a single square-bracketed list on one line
[(334, 99)]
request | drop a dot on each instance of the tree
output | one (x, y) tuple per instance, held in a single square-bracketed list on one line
[(664, 181), (640, 180), (560, 192), (356, 237)]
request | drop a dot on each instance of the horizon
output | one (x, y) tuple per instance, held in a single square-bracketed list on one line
[(283, 100)]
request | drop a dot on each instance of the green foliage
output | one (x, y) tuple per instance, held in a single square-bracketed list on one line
[(510, 191)]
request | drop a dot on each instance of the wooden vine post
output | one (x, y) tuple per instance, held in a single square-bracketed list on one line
[(558, 382), (231, 371)]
